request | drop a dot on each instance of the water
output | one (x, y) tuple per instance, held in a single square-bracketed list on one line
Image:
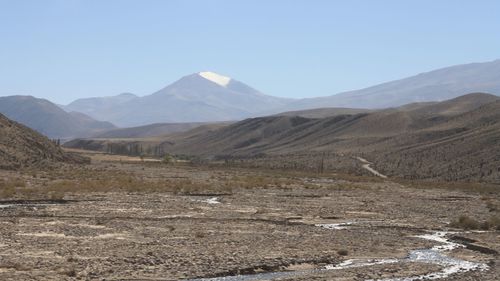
[(212, 200), (433, 255), (335, 226)]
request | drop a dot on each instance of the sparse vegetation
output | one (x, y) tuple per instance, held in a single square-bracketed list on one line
[(57, 189), (168, 159), (9, 187), (468, 223), (200, 234), (342, 252)]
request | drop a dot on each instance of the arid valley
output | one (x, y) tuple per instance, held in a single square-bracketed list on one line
[(121, 218), (249, 140)]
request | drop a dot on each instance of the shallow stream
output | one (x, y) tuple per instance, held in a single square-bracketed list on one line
[(433, 255)]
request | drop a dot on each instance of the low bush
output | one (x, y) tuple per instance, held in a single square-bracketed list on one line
[(468, 223), (9, 187), (342, 252)]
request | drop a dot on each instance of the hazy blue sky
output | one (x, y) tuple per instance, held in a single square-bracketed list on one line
[(66, 49)]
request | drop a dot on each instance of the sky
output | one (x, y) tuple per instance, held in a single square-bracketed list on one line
[(62, 50)]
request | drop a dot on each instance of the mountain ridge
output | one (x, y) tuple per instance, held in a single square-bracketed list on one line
[(194, 98), (48, 118), (435, 85)]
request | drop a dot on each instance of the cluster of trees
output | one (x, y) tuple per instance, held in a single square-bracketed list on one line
[(140, 150), (56, 141), (135, 149)]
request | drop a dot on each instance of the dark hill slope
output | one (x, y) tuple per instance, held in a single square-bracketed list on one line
[(463, 147), (323, 112), (22, 147), (456, 139)]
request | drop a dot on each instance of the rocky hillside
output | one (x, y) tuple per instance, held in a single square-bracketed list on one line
[(21, 147)]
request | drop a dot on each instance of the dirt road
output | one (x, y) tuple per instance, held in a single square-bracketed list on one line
[(366, 165)]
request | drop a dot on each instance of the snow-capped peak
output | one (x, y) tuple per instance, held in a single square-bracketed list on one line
[(216, 78)]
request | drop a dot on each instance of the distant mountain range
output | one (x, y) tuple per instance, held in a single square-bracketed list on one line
[(208, 97), (437, 85), (99, 108), (49, 119)]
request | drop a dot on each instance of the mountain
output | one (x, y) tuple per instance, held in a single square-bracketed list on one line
[(99, 107), (209, 97), (21, 146), (49, 119), (200, 97), (457, 139), (437, 85), (153, 130)]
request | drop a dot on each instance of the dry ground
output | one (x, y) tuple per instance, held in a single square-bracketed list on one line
[(131, 220)]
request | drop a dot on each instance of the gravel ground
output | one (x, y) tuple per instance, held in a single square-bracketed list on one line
[(171, 236)]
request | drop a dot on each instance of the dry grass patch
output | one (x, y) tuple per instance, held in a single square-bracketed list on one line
[(481, 188), (98, 183), (468, 223), (132, 184), (9, 187)]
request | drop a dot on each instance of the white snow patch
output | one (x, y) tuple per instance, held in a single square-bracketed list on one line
[(216, 78)]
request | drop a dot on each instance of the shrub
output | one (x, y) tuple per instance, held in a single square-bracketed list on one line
[(466, 222), (168, 159), (8, 187), (200, 234), (494, 222), (469, 223), (342, 252)]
